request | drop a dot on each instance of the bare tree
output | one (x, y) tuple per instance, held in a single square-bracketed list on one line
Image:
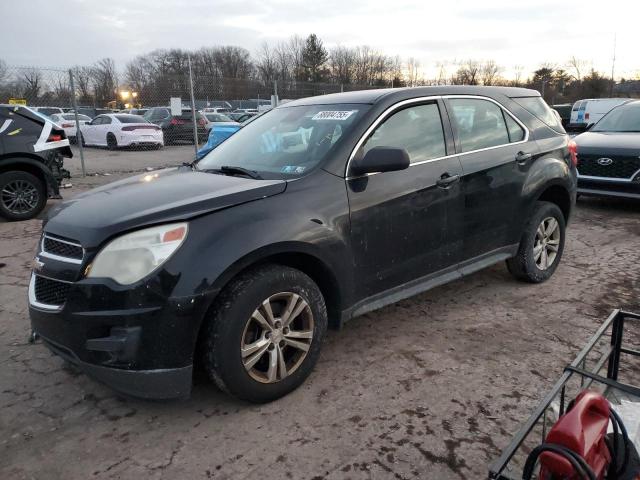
[(490, 72), (104, 80), (296, 49), (413, 71), (577, 66), (32, 84), (517, 75), (82, 80), (267, 64), (4, 71), (467, 74)]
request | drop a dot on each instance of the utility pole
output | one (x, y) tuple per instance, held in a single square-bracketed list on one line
[(193, 110), (75, 114), (613, 64)]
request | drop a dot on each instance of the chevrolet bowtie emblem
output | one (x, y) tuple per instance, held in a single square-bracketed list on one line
[(36, 264)]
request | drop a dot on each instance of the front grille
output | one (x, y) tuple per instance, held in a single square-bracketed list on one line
[(62, 248), (620, 167), (50, 292)]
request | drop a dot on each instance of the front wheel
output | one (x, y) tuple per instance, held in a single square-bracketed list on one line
[(112, 143), (541, 245), (22, 195), (265, 333)]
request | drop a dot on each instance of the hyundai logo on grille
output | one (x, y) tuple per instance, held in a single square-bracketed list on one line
[(604, 161)]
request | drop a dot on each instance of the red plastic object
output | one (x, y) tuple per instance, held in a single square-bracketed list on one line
[(582, 429)]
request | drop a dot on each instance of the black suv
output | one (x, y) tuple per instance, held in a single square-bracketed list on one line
[(32, 151), (318, 211), (177, 128)]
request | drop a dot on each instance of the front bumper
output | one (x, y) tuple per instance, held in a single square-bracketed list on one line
[(133, 340), (158, 384), (608, 188)]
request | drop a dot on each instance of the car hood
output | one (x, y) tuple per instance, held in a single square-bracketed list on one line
[(612, 143), (155, 197)]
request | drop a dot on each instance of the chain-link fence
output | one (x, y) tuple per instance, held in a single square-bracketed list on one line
[(94, 91)]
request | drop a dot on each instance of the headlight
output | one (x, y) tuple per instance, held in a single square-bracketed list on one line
[(135, 255)]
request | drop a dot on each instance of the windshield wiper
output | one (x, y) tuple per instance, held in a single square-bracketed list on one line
[(233, 170)]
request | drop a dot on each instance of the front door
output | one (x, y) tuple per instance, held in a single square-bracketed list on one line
[(401, 221)]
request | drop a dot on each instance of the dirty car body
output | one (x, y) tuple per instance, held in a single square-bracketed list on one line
[(364, 239), (32, 143)]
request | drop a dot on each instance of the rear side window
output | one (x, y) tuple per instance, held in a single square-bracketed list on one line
[(479, 123), (130, 118), (516, 132), (539, 108), (417, 129)]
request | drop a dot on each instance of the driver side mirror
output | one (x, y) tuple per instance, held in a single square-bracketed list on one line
[(381, 159)]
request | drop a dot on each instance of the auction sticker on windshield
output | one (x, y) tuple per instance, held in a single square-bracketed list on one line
[(333, 115)]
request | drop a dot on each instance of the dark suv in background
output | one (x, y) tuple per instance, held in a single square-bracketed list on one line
[(316, 212), (177, 128)]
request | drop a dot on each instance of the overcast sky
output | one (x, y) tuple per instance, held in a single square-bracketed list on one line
[(69, 32)]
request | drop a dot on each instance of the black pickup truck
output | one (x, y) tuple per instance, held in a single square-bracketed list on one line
[(32, 151)]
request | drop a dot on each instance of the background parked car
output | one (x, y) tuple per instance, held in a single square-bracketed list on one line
[(68, 122), (48, 111), (216, 110), (177, 127), (32, 148), (609, 154), (588, 111), (240, 117), (564, 110), (135, 111), (121, 130), (92, 112), (217, 118)]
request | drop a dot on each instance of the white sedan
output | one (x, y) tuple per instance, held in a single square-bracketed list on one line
[(121, 130), (68, 122)]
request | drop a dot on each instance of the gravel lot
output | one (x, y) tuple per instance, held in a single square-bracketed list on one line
[(431, 387)]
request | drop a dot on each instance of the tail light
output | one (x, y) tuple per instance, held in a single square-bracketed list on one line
[(67, 125), (573, 152), (201, 122), (54, 137), (177, 121), (586, 116)]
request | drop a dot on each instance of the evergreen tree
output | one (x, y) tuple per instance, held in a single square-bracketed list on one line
[(314, 59)]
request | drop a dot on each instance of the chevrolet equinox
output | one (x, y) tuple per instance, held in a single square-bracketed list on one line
[(321, 210)]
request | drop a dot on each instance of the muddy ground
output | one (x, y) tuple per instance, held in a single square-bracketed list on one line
[(431, 387)]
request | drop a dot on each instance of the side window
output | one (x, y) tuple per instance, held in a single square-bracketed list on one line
[(417, 129), (479, 123), (96, 121), (106, 120), (516, 132)]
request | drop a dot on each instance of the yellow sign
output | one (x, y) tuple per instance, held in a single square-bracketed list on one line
[(17, 101)]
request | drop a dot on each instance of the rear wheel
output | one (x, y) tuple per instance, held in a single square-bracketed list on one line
[(22, 195), (264, 336), (112, 143), (541, 245)]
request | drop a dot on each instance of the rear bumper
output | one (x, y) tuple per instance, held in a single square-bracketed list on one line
[(606, 188), (167, 383)]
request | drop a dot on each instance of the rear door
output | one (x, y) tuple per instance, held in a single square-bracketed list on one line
[(402, 222), (495, 157), (91, 129)]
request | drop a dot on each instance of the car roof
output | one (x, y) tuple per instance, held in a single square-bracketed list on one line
[(377, 95)]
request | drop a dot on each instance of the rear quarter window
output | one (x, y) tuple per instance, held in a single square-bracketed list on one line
[(543, 112)]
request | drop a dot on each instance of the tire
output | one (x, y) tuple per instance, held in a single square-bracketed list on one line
[(527, 265), (32, 194), (112, 142), (232, 326)]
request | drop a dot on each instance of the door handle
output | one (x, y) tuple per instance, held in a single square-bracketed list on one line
[(522, 157), (446, 180)]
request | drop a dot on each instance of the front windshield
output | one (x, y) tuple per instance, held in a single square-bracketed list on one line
[(286, 142), (625, 118)]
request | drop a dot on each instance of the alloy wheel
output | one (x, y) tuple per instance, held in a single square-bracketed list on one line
[(20, 196), (547, 243), (277, 337)]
